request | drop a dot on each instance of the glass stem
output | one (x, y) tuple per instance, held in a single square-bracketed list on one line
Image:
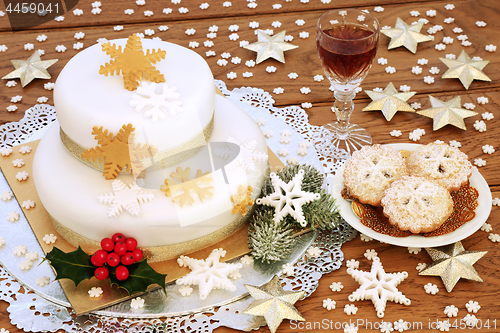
[(343, 107)]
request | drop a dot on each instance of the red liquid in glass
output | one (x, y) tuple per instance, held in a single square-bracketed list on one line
[(349, 53)]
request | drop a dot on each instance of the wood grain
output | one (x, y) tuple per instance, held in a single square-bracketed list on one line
[(425, 309)]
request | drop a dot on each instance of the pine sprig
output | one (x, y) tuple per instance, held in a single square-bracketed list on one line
[(270, 241), (322, 213)]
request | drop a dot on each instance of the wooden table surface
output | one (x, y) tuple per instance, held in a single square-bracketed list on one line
[(424, 308)]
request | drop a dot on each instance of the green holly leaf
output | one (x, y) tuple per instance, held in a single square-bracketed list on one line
[(75, 265), (141, 276)]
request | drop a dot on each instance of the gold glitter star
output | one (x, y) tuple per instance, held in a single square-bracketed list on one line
[(270, 46), (275, 304), (444, 113), (389, 101), (405, 35), (452, 262), (28, 70), (465, 69)]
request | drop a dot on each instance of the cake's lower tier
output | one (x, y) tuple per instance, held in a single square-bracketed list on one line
[(80, 200)]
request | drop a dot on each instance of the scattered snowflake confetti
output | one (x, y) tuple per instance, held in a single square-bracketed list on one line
[(450, 56), (449, 20), (244, 43), (29, 46), (451, 311), (421, 266), (204, 6), (304, 144), (78, 46), (278, 90), (414, 250), (480, 125), (253, 24), (13, 217), (183, 10), (479, 162), (185, 290), (395, 133), (48, 85), (304, 34), (495, 238), (470, 320), (404, 88), (79, 35), (350, 309), (306, 105), (336, 286), (208, 43), (472, 306), (482, 100), (61, 48), (496, 202), (11, 108), (77, 12), (466, 43), (270, 69), (487, 115), (318, 78), (314, 251), (222, 62), (481, 24), (11, 83), (428, 79), (247, 260), (382, 61), (301, 151), (20, 250), (370, 254), (390, 70), (431, 288), (488, 149), (486, 227), (137, 303), (25, 265), (43, 281), (231, 75), (352, 263), (149, 32), (365, 238), (49, 238), (378, 9), (167, 10), (434, 70), (234, 36), (329, 304), (6, 195), (22, 175), (293, 75), (288, 270), (292, 161), (32, 256), (16, 99), (95, 292), (414, 13), (416, 70), (305, 90), (3, 48), (440, 46), (283, 152), (469, 106), (41, 38), (490, 48), (193, 44)]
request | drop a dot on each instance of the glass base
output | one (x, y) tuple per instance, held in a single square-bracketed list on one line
[(350, 139)]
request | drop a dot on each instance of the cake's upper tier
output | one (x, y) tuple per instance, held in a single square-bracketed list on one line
[(84, 98)]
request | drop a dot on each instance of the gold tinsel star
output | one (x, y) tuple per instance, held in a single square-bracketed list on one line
[(28, 70), (270, 46), (274, 303), (465, 69), (389, 101), (405, 35), (452, 262), (443, 113), (132, 62)]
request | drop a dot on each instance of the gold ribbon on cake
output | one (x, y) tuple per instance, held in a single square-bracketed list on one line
[(165, 158)]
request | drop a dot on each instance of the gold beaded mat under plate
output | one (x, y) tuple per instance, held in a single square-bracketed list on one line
[(40, 222)]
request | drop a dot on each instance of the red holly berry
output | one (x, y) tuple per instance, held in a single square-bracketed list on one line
[(118, 237), (131, 244), (120, 248), (121, 273), (95, 261), (128, 258), (137, 255), (101, 273), (113, 259), (101, 256), (107, 244)]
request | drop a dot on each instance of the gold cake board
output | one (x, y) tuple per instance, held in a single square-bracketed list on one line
[(41, 224)]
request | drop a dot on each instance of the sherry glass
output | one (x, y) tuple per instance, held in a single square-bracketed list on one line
[(347, 41)]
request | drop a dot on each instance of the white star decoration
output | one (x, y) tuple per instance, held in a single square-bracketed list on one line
[(378, 286), (156, 106), (247, 156), (405, 35), (209, 273), (288, 198), (125, 198)]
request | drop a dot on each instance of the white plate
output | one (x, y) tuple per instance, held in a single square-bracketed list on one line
[(482, 212)]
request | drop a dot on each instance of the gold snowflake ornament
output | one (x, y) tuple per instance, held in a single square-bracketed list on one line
[(242, 200), (132, 62), (182, 183), (118, 152)]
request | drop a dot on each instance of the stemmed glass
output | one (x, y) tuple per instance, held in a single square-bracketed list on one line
[(347, 41)]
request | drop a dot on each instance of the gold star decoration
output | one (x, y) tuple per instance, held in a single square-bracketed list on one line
[(444, 113), (465, 69), (132, 62), (270, 46), (30, 69), (405, 35), (452, 262), (389, 101), (274, 303)]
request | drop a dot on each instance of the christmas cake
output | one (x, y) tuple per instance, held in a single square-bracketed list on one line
[(144, 146)]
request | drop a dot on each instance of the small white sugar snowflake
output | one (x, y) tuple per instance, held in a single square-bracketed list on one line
[(305, 90), (414, 250), (235, 275), (49, 85), (227, 4), (313, 252), (20, 250), (370, 254), (32, 256), (6, 195), (329, 304), (390, 70), (386, 327), (210, 53), (482, 100), (278, 90), (443, 326), (350, 309), (302, 151), (288, 38), (486, 227), (365, 238), (28, 204), (137, 303), (455, 144), (211, 35), (479, 162), (288, 269), (183, 10), (336, 286), (49, 238), (25, 265), (396, 133), (11, 83), (204, 6), (18, 162), (470, 320), (29, 46), (496, 202), (42, 99), (306, 105), (149, 32), (61, 48), (490, 48), (429, 79), (193, 44), (414, 136), (304, 144), (414, 13), (43, 281), (449, 20), (416, 70), (431, 288), (378, 9), (185, 290), (247, 260), (284, 139), (222, 62), (236, 60), (450, 56), (352, 263), (318, 78), (473, 306), (488, 149), (382, 61), (422, 61), (421, 266), (276, 24), (16, 99), (481, 24), (377, 89), (293, 75), (13, 217), (495, 238), (401, 325), (253, 24), (431, 13), (466, 43), (2, 241), (25, 150), (11, 108), (283, 152), (95, 292), (268, 133), (487, 115), (271, 69), (404, 88), (434, 70), (469, 106), (439, 141), (234, 36), (231, 75), (208, 43), (292, 161)]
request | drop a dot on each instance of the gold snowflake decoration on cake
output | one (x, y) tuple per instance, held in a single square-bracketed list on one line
[(182, 183), (119, 152), (132, 62), (242, 200)]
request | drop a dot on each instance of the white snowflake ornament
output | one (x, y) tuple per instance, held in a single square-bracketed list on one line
[(378, 286), (125, 197), (156, 106), (288, 198), (209, 274)]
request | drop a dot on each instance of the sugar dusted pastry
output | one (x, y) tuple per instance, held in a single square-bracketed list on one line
[(371, 170), (446, 165), (417, 204)]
